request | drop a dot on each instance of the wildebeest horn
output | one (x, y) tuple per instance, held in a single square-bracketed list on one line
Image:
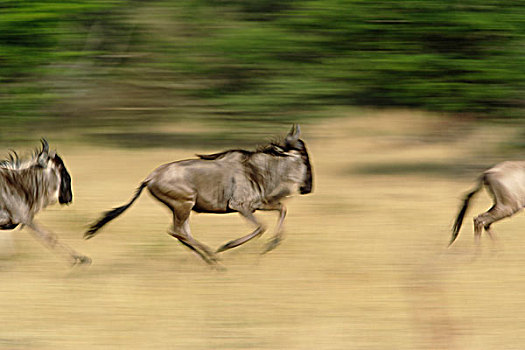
[(43, 156), (45, 145), (293, 135)]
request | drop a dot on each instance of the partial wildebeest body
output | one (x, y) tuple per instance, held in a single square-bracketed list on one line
[(28, 187), (231, 181), (505, 182)]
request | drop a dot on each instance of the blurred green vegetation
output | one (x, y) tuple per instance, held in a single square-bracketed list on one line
[(106, 62)]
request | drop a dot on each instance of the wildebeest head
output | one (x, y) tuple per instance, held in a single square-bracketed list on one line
[(52, 160), (292, 142)]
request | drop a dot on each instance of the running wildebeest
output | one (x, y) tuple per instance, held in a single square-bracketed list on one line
[(231, 181), (505, 182), (26, 187)]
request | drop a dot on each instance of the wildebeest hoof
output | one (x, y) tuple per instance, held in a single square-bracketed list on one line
[(224, 247), (214, 258), (272, 244), (218, 267), (82, 260)]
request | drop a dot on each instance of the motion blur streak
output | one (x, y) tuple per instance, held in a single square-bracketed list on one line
[(365, 264), (402, 103)]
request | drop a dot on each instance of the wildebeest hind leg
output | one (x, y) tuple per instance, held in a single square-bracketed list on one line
[(181, 231), (485, 220), (237, 242), (51, 241), (181, 210)]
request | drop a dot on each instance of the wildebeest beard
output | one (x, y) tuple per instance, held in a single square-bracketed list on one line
[(308, 181), (65, 194), (307, 186)]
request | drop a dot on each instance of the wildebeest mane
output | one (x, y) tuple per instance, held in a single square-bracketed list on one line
[(273, 148), (14, 162), (218, 155)]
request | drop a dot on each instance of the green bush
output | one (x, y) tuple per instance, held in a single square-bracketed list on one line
[(267, 58)]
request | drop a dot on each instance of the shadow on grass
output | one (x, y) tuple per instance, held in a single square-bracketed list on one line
[(422, 168), (172, 140)]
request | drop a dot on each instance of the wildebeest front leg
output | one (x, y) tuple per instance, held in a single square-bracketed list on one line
[(51, 241), (277, 238), (237, 242)]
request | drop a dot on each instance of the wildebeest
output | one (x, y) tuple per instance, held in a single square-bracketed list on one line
[(231, 181), (505, 182), (26, 187)]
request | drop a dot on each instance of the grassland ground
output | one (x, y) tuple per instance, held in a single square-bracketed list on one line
[(364, 263)]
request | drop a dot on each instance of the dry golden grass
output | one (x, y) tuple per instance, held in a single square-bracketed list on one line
[(364, 264)]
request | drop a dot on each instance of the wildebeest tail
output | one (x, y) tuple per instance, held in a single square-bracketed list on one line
[(463, 210), (113, 213)]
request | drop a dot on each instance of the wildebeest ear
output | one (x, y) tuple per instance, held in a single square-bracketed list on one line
[(293, 135)]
